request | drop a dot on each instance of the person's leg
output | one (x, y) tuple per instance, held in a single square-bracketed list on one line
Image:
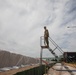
[(44, 41), (47, 42)]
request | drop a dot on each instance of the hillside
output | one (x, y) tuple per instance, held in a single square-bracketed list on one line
[(8, 59)]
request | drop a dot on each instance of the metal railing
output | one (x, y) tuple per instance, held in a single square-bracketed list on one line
[(56, 47)]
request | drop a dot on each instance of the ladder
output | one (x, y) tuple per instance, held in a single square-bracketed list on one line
[(49, 48)]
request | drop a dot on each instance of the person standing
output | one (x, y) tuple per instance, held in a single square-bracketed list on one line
[(46, 35)]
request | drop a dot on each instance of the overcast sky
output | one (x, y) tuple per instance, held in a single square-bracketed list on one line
[(22, 22)]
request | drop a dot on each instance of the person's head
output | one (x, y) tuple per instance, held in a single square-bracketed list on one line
[(44, 27)]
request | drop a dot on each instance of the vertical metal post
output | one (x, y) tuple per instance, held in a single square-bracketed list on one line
[(41, 57), (41, 51)]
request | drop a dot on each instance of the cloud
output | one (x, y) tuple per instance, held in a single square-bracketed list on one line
[(22, 22)]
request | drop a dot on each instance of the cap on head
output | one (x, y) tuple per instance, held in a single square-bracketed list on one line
[(44, 27)]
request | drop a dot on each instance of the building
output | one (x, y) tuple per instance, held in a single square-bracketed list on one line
[(69, 56)]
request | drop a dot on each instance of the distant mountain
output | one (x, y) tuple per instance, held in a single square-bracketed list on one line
[(8, 59)]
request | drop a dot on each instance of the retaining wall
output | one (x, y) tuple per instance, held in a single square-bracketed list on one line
[(40, 70)]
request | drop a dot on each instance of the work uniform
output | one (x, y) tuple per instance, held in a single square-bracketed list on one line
[(46, 35)]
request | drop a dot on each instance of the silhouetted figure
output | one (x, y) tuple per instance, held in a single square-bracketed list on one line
[(46, 35)]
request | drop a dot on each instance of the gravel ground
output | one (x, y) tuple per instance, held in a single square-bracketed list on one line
[(11, 72), (57, 70)]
